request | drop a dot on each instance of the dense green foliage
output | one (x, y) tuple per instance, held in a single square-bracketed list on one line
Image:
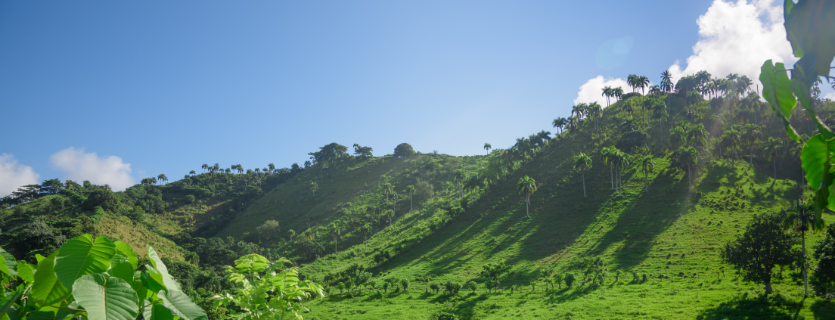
[(94, 279)]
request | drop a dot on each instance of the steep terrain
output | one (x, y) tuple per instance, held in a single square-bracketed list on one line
[(668, 235), (433, 220)]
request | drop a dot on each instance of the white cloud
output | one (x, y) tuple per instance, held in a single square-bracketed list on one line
[(738, 38), (81, 166), (830, 96), (14, 175), (592, 90)]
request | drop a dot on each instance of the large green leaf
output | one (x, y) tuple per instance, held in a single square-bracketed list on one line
[(810, 27), (120, 267), (51, 313), (43, 315), (25, 271), (181, 306), (777, 91), (816, 160), (81, 256), (3, 267), (8, 302), (160, 271), (158, 312), (126, 250), (148, 286), (46, 288), (815, 157), (9, 263), (105, 297)]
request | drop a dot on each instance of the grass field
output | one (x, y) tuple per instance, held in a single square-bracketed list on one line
[(668, 234)]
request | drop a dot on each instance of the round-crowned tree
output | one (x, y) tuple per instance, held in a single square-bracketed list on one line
[(404, 150)]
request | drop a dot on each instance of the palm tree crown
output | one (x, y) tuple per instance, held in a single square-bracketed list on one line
[(526, 185)]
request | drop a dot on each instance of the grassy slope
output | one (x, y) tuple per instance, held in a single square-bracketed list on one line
[(666, 231), (138, 237)]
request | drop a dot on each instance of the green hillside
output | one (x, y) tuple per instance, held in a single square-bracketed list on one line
[(656, 245), (671, 236)]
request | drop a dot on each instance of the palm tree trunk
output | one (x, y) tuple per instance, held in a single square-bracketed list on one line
[(612, 173), (584, 185), (527, 205), (805, 283), (774, 159), (689, 179)]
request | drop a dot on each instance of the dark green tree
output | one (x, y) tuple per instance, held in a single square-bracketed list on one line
[(760, 248), (404, 150)]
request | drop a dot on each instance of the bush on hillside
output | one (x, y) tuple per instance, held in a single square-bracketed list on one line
[(632, 141), (404, 150), (268, 230)]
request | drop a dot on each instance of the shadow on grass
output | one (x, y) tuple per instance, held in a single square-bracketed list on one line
[(647, 217), (774, 306), (823, 309)]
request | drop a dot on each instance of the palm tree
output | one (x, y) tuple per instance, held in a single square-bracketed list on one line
[(573, 125), (632, 81), (459, 176), (578, 111), (617, 92), (802, 218), (161, 177), (487, 147), (654, 90), (582, 162), (734, 136), (291, 233), (215, 167), (205, 167), (410, 189), (772, 147), (660, 114), (192, 173), (313, 187), (621, 161), (271, 166), (678, 135), (666, 81), (526, 185), (607, 153), (688, 156), (595, 111), (366, 229), (647, 164), (560, 123), (607, 92), (642, 82), (335, 230), (228, 170), (240, 168), (697, 135), (752, 132)]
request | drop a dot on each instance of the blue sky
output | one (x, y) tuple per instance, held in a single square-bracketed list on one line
[(163, 87)]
